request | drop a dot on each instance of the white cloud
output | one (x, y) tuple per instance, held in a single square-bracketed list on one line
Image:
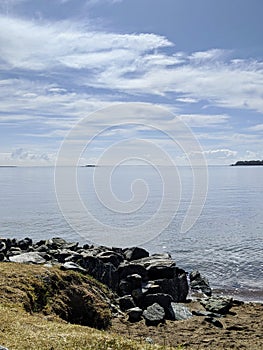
[(29, 45), (258, 127), (220, 153), (20, 154), (202, 120)]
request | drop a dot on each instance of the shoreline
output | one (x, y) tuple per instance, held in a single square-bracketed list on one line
[(142, 298)]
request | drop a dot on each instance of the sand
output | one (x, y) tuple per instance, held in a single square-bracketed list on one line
[(242, 329)]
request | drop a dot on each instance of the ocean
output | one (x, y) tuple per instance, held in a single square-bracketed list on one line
[(224, 242)]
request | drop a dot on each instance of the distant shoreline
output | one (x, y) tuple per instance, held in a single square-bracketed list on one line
[(248, 163)]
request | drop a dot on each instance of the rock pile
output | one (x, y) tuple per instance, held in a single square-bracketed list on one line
[(148, 286)]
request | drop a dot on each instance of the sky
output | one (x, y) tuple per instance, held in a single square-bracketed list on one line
[(201, 61)]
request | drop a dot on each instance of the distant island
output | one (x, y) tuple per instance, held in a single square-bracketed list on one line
[(248, 163), (89, 166)]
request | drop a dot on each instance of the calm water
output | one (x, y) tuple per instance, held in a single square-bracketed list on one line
[(225, 243)]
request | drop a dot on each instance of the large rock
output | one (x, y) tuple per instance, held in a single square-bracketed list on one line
[(179, 312), (135, 253), (31, 257), (198, 282), (105, 273), (110, 257), (218, 305), (154, 314), (126, 302), (177, 287), (126, 269), (160, 298)]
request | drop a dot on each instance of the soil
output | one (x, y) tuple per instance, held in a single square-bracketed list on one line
[(242, 329)]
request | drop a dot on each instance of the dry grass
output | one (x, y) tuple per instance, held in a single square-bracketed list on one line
[(33, 297)]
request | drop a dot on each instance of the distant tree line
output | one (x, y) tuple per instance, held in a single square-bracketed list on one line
[(248, 162)]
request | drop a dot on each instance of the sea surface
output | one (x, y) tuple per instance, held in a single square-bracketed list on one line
[(225, 243)]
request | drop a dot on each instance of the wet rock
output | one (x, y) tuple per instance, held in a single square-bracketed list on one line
[(158, 271), (126, 302), (179, 312), (220, 305), (31, 257), (154, 314), (198, 282), (2, 256), (135, 253), (3, 348), (134, 314)]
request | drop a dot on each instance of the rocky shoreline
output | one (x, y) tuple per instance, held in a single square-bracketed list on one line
[(148, 287)]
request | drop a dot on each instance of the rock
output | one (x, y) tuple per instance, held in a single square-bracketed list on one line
[(177, 287), (205, 313), (154, 314), (126, 269), (151, 288), (105, 273), (2, 246), (134, 314), (31, 257), (158, 271), (71, 246), (42, 248), (220, 305), (135, 281), (2, 256), (110, 257), (135, 253), (214, 321), (124, 288), (137, 295), (24, 244), (162, 299), (72, 266), (3, 348), (126, 302), (179, 312), (198, 282), (55, 243)]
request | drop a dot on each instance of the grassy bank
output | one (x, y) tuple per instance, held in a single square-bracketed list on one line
[(38, 306)]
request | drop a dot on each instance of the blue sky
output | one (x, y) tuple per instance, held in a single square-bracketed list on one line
[(61, 60)]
